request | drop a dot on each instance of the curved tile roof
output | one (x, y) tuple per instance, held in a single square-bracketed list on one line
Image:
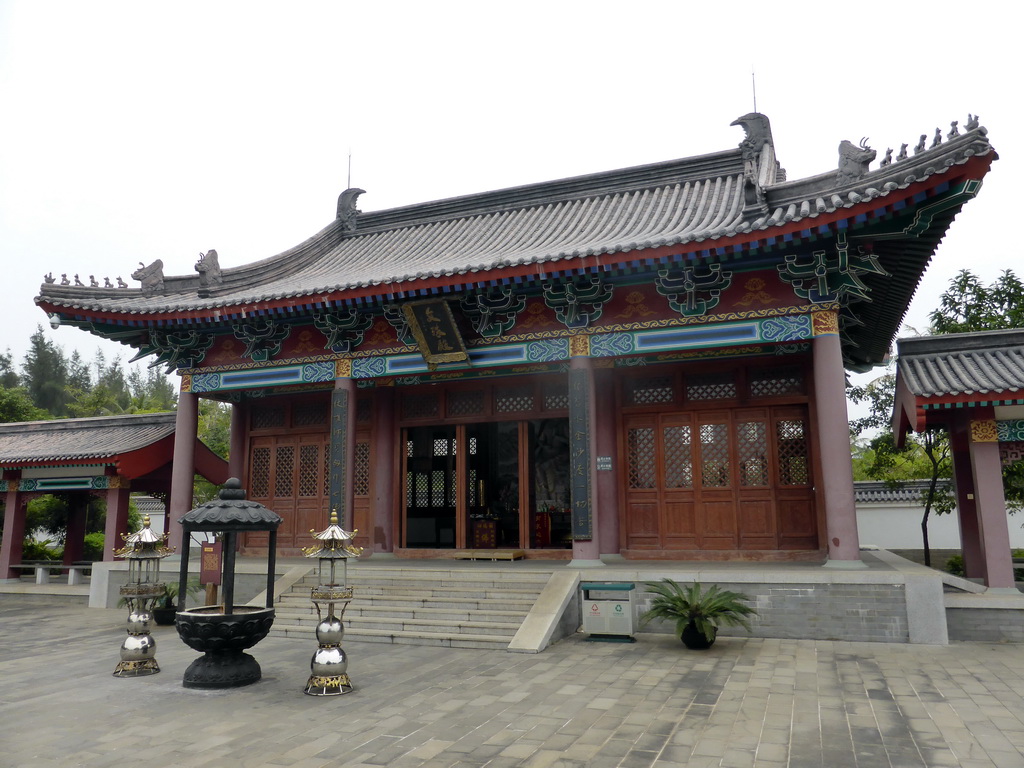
[(678, 203), (99, 438), (880, 492), (963, 363)]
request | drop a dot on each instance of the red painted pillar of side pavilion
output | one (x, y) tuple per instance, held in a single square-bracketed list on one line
[(236, 455), (186, 427), (834, 444), (986, 466), (117, 516), (14, 527)]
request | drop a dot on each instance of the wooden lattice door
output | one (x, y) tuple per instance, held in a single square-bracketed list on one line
[(729, 479)]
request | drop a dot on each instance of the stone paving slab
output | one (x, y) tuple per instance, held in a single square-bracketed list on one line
[(745, 703)]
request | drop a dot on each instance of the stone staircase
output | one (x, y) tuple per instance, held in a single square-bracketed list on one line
[(476, 607)]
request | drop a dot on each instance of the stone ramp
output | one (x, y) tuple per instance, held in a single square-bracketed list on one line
[(477, 607)]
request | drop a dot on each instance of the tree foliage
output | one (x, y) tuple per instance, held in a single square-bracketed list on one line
[(968, 305)]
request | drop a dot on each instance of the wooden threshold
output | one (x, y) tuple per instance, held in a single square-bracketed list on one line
[(488, 554)]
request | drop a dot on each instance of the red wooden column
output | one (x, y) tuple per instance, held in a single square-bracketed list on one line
[(966, 505), (382, 452), (343, 444), (834, 444), (986, 467), (14, 527), (605, 440), (183, 469), (117, 516), (236, 455), (582, 456), (74, 538)]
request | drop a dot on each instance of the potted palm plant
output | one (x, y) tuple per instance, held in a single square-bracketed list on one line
[(167, 605), (697, 613)]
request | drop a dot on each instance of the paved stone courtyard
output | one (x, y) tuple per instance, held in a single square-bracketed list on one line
[(746, 702)]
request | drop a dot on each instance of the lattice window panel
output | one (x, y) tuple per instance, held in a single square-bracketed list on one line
[(473, 495), (259, 478), (440, 446), (711, 386), (752, 447), (513, 400), (714, 455), (556, 397), (283, 467), (465, 403), (419, 406), (640, 459), (362, 475), (327, 470), (309, 414), (309, 474), (437, 489), (678, 456), (772, 382), (472, 446), (422, 480), (409, 448), (408, 489), (652, 390), (794, 467), (268, 417), (364, 409)]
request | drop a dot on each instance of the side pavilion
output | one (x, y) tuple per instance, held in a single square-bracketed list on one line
[(643, 363), (972, 385), (108, 456)]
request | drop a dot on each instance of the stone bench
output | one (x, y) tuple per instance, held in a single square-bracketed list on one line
[(42, 568)]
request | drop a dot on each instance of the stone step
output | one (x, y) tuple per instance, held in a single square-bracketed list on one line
[(489, 628), (438, 614), (423, 606), (438, 639), (404, 602), (388, 593)]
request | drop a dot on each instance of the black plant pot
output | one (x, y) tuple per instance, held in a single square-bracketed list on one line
[(695, 640), (164, 616)]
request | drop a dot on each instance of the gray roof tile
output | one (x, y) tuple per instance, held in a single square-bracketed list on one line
[(988, 362), (79, 439), (676, 203)]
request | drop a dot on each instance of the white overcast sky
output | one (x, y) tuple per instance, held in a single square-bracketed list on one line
[(132, 131)]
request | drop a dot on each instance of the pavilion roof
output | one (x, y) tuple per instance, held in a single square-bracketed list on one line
[(982, 363), (955, 371), (99, 438)]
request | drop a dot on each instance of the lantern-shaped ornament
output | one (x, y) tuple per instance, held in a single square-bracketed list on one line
[(329, 666), (143, 550)]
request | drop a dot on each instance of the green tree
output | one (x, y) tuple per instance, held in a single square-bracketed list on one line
[(16, 405), (9, 378), (215, 431), (925, 456), (45, 375), (967, 305)]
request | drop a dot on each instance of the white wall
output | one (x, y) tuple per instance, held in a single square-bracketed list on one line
[(898, 526)]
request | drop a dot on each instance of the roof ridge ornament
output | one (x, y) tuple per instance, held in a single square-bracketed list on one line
[(152, 277), (347, 211), (210, 275), (760, 168), (854, 160)]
